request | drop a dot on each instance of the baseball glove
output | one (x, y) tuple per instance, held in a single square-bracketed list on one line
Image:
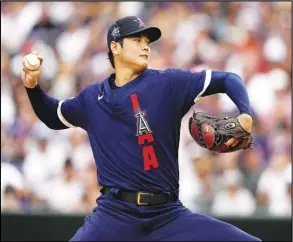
[(213, 132)]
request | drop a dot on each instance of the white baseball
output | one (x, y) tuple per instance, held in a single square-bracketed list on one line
[(32, 62)]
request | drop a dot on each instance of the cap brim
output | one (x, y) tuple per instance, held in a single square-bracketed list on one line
[(152, 32)]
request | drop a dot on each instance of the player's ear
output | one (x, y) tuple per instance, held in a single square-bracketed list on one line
[(115, 47)]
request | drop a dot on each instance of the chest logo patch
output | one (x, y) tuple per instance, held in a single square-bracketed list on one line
[(142, 126), (145, 138)]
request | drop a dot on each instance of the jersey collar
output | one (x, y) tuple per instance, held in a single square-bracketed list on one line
[(125, 87)]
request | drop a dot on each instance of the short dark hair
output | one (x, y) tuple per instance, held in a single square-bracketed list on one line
[(110, 53)]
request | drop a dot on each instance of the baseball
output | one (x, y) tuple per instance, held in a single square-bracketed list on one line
[(32, 62)]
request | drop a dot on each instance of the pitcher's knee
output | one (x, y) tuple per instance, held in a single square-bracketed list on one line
[(236, 234)]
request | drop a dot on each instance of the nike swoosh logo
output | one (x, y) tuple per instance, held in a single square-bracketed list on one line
[(100, 97)]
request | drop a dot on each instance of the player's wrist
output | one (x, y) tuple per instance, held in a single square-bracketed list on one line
[(30, 85)]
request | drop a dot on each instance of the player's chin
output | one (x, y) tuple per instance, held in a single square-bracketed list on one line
[(141, 65)]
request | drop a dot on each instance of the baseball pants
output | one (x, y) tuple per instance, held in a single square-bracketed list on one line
[(118, 220)]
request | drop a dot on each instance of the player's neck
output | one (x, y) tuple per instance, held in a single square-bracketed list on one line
[(124, 75)]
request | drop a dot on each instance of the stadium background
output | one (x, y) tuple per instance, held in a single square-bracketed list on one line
[(53, 172)]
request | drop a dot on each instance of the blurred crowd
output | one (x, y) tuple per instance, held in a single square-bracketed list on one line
[(43, 170)]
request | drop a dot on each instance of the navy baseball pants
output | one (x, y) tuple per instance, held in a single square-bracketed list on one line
[(114, 219)]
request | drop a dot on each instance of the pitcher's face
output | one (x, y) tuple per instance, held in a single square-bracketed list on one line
[(135, 52)]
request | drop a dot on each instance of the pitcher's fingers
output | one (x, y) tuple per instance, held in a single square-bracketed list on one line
[(35, 72), (25, 70), (27, 73), (230, 142), (35, 52), (236, 142)]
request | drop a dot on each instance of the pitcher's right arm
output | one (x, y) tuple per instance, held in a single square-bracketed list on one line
[(52, 112)]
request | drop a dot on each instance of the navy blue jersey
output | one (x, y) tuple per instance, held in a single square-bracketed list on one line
[(134, 130)]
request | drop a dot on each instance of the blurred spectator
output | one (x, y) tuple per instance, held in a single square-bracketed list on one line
[(252, 168), (11, 180), (36, 163), (81, 153), (234, 199), (10, 201), (288, 184), (273, 185), (207, 184), (46, 29), (66, 192), (8, 109), (19, 17), (92, 190), (75, 37), (64, 84)]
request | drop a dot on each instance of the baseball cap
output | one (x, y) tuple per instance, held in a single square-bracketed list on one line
[(131, 25)]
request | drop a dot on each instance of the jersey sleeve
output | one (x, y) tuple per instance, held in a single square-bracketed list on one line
[(71, 112), (187, 86)]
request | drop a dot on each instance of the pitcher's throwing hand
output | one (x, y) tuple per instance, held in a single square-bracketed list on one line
[(30, 76)]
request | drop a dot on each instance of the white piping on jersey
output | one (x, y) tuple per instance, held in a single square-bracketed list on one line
[(61, 117), (206, 83)]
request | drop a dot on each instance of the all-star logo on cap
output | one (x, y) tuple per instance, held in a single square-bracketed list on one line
[(115, 33), (139, 21)]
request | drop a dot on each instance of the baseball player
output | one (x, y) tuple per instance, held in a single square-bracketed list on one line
[(133, 122)]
